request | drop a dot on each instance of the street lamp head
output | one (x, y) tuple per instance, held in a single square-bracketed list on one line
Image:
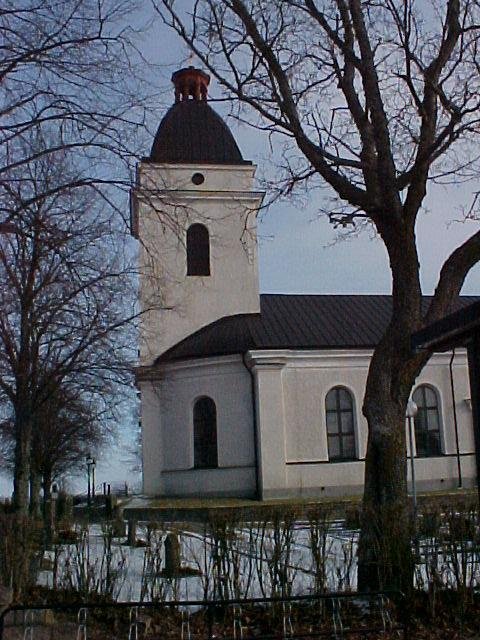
[(412, 409)]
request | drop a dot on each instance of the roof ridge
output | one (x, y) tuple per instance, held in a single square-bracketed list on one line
[(297, 322), (354, 295)]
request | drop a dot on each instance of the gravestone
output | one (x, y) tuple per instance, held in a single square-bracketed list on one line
[(172, 555), (119, 527), (132, 533)]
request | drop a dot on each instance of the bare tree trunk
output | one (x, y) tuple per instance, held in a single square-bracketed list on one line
[(47, 485), (385, 560), (35, 486), (21, 476), (23, 405), (385, 556), (49, 515)]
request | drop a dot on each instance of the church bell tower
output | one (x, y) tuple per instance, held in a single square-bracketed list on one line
[(194, 213)]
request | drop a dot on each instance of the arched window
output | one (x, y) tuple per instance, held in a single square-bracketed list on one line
[(340, 429), (427, 422), (198, 251), (205, 455)]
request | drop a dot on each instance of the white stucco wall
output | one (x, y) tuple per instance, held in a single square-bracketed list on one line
[(293, 450), (167, 424), (166, 203)]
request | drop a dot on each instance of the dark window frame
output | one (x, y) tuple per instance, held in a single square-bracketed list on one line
[(343, 432), (205, 438), (198, 250), (428, 441)]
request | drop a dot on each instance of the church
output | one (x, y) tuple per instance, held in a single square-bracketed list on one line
[(257, 395)]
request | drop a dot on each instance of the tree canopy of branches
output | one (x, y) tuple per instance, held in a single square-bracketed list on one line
[(71, 66), (64, 327), (374, 99)]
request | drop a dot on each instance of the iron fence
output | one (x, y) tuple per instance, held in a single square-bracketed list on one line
[(329, 615)]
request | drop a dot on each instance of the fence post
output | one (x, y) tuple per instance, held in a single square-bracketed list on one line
[(82, 621), (133, 626), (2, 618), (407, 620), (210, 617)]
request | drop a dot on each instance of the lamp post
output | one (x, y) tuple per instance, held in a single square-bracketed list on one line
[(54, 499), (90, 477), (93, 478), (412, 411)]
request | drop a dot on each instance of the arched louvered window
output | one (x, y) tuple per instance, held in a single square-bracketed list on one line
[(205, 454), (340, 425), (427, 422), (198, 251)]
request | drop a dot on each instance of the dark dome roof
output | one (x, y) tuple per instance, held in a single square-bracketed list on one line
[(191, 132)]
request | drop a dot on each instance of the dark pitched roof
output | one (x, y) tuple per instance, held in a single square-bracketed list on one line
[(456, 328), (191, 132), (294, 322)]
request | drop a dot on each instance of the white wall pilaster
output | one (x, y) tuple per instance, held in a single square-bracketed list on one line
[(270, 413), (152, 446)]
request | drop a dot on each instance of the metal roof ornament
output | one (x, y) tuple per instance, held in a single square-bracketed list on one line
[(190, 83)]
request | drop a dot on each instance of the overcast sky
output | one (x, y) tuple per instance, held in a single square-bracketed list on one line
[(298, 251)]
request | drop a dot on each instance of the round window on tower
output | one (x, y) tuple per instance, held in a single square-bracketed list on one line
[(198, 178)]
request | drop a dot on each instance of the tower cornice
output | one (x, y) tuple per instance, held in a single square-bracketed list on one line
[(147, 195)]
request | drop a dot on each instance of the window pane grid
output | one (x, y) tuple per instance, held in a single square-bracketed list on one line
[(339, 418), (427, 422)]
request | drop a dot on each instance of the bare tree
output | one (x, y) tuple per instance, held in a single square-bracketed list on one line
[(374, 100), (66, 427), (66, 307), (72, 66)]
